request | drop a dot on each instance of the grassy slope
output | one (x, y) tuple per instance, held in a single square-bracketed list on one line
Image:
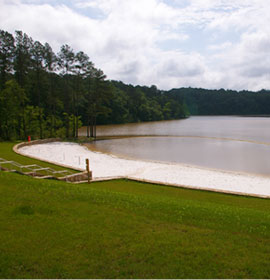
[(123, 229), (7, 153)]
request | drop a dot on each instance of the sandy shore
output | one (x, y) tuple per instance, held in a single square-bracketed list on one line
[(104, 166)]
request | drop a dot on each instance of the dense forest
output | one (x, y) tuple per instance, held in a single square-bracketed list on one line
[(223, 102), (46, 94)]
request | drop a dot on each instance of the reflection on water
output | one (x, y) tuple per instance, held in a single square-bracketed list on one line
[(247, 128), (207, 151), (213, 153)]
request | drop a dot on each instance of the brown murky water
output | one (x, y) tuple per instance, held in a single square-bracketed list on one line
[(229, 143)]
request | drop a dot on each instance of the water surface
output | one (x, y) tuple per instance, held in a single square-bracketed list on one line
[(229, 143)]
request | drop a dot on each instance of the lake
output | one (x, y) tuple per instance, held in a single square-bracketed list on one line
[(231, 143)]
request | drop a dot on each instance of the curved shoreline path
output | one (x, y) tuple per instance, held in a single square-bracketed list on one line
[(108, 166)]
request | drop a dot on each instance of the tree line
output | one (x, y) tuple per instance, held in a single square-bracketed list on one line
[(42, 93), (46, 94), (223, 102)]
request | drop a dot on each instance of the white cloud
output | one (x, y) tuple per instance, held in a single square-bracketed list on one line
[(126, 40), (220, 47)]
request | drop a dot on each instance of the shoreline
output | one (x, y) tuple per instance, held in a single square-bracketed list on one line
[(126, 157), (106, 166)]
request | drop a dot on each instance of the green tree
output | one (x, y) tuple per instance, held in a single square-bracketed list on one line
[(119, 108), (66, 63), (22, 61), (37, 52), (12, 104), (81, 69), (98, 95), (7, 53), (53, 100)]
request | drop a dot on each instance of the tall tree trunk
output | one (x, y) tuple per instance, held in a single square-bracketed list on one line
[(51, 127), (76, 118), (95, 127), (77, 126), (18, 128), (88, 127), (38, 88), (67, 126), (54, 122), (24, 125), (76, 109), (73, 125), (91, 127), (52, 109), (73, 114), (1, 130), (7, 129), (40, 124)]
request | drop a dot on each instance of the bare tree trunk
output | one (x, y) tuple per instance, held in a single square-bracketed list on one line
[(24, 126), (40, 124), (38, 89), (77, 125), (95, 127), (54, 121), (51, 127), (91, 127), (53, 109), (67, 126), (18, 128), (7, 130), (88, 127)]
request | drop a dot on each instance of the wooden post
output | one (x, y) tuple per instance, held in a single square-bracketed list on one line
[(89, 173)]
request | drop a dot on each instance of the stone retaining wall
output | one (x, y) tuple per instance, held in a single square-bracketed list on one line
[(75, 178)]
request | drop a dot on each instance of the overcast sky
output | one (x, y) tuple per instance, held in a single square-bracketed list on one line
[(168, 43)]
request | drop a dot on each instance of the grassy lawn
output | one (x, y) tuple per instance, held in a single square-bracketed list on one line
[(7, 153), (125, 229)]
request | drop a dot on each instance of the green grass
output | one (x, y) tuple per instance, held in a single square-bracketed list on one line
[(6, 152), (125, 229)]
